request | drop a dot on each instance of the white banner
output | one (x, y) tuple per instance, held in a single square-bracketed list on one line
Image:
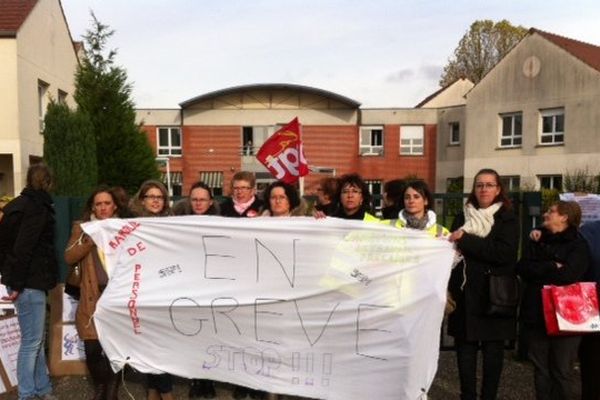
[(330, 308)]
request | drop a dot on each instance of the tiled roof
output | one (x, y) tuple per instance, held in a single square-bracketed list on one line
[(588, 53), (12, 15)]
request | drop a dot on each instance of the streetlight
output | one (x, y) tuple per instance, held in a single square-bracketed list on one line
[(165, 160)]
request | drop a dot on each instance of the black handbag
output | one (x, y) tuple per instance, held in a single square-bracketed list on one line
[(503, 295)]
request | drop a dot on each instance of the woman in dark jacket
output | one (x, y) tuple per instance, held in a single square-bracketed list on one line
[(353, 197), (199, 202), (29, 269), (556, 255), (487, 235)]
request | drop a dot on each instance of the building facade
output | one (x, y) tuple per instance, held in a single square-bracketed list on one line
[(214, 135), (39, 63), (534, 117)]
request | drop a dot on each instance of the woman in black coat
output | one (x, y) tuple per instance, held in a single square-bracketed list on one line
[(487, 235), (556, 255)]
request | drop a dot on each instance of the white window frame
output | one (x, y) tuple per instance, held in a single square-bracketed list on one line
[(555, 135), (371, 142), (515, 139), (412, 140), (451, 127), (42, 88), (169, 149), (553, 179)]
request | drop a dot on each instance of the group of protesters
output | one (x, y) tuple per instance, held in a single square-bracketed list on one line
[(485, 236)]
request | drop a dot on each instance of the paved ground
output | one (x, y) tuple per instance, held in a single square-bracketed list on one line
[(516, 384)]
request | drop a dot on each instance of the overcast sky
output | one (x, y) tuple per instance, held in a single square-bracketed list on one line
[(381, 53)]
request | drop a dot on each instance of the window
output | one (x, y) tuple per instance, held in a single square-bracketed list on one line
[(411, 140), (42, 103), (253, 137), (169, 141), (371, 141), (551, 182), (553, 126), (375, 188), (247, 141), (454, 133), (512, 130), (62, 97), (511, 183)]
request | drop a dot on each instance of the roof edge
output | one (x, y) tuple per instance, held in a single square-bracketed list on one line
[(338, 97)]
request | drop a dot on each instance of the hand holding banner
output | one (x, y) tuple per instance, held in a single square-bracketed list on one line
[(283, 154)]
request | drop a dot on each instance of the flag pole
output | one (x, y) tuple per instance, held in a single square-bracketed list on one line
[(301, 180)]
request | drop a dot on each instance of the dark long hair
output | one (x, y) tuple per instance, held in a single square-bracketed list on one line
[(420, 187), (501, 197), (89, 204)]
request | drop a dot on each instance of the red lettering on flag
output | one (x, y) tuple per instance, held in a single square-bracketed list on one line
[(283, 154)]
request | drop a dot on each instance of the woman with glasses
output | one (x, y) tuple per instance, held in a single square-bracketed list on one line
[(282, 200), (152, 200), (102, 204), (199, 202), (557, 254), (243, 201), (487, 235), (354, 198)]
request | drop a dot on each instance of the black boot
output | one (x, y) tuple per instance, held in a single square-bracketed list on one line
[(240, 392), (100, 392), (112, 388), (202, 388)]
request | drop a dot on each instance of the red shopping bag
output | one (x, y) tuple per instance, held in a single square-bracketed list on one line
[(571, 309)]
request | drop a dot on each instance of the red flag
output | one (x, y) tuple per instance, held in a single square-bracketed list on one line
[(283, 154)]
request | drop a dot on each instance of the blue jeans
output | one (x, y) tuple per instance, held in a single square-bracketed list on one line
[(32, 371)]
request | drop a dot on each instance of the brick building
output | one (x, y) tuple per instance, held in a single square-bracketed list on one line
[(214, 135)]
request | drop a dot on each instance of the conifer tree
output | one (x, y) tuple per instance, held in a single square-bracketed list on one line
[(70, 150), (124, 155)]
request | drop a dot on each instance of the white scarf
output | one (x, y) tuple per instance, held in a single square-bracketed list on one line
[(479, 221)]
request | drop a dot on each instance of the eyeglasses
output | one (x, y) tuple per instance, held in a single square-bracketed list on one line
[(487, 185), (152, 197), (241, 188), (346, 192), (278, 198)]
